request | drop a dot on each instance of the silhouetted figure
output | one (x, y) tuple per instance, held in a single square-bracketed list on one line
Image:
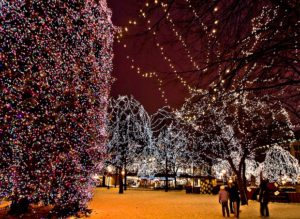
[(223, 199), (19, 207), (231, 193), (264, 198), (236, 200)]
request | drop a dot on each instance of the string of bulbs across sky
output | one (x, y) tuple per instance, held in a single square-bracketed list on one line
[(154, 75), (249, 43)]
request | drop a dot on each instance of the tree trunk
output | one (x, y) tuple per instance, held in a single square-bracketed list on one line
[(121, 189), (167, 180), (116, 178), (244, 177), (175, 180), (125, 177), (103, 181), (241, 183), (125, 180), (242, 189)]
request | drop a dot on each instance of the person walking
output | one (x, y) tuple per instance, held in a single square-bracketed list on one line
[(264, 198), (236, 200), (231, 193), (223, 200)]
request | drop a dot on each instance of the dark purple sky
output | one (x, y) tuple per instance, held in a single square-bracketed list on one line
[(147, 56)]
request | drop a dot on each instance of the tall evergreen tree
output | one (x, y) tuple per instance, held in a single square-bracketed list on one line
[(55, 65)]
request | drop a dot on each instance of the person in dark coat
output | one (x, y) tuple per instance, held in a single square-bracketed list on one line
[(236, 200), (231, 193), (264, 198)]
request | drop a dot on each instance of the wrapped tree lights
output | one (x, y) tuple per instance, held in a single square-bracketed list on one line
[(234, 128), (280, 166), (55, 65), (129, 130)]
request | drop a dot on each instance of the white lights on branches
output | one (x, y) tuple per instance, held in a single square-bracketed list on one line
[(280, 165)]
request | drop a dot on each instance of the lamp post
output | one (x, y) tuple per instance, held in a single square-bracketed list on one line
[(123, 174), (108, 177), (284, 180), (224, 176)]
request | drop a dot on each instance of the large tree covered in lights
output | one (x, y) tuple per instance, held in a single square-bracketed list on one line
[(129, 130), (56, 60), (234, 127)]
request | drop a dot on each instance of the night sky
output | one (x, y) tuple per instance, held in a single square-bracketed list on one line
[(148, 57)]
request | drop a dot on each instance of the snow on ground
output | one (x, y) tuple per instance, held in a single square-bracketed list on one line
[(107, 203)]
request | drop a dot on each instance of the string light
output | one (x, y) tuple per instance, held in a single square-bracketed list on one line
[(168, 59), (245, 47)]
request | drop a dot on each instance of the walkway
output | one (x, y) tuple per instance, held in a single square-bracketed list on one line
[(107, 203)]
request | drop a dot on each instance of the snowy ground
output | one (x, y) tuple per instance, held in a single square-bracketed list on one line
[(108, 204), (158, 204)]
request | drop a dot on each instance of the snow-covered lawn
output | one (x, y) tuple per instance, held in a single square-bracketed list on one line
[(107, 203)]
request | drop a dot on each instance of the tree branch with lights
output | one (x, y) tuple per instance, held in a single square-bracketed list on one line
[(234, 128), (233, 46), (129, 129)]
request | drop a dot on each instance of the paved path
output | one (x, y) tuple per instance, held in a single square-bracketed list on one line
[(161, 205)]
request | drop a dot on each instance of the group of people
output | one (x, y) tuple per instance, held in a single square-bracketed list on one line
[(231, 194)]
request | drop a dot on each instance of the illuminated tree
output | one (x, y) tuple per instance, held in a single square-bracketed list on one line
[(55, 65), (234, 127), (252, 168), (280, 165), (172, 154), (129, 130), (147, 166), (173, 143)]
